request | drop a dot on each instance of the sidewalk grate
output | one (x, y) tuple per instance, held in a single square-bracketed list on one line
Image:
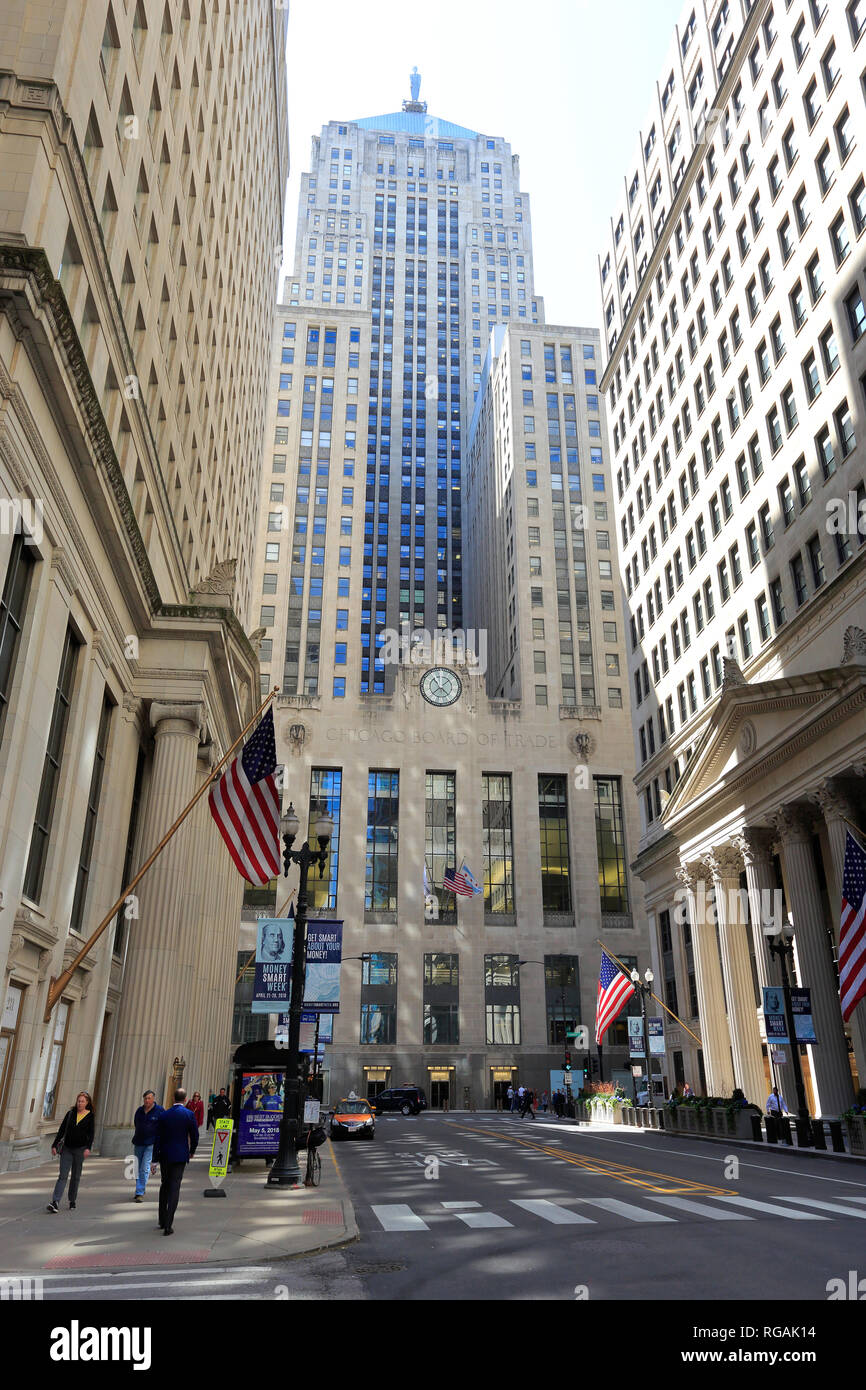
[(118, 1261), (323, 1216)]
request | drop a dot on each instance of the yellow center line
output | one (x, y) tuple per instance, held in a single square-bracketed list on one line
[(602, 1167)]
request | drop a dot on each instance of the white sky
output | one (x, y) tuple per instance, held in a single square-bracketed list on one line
[(507, 68)]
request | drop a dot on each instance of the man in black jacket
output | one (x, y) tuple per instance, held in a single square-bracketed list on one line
[(74, 1138), (222, 1106)]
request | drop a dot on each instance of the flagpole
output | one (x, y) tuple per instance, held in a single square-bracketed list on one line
[(58, 986), (627, 972), (861, 833)]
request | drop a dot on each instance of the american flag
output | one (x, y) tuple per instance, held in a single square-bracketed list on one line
[(852, 934), (245, 804), (460, 881), (613, 989)]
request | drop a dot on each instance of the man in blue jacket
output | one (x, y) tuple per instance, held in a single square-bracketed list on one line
[(176, 1142), (146, 1120)]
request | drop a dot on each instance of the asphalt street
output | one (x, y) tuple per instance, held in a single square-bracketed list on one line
[(494, 1207)]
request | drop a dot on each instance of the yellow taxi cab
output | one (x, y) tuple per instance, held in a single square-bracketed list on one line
[(352, 1117)]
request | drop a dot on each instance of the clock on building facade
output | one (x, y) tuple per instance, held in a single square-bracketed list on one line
[(441, 687)]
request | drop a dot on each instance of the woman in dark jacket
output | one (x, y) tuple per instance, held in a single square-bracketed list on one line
[(74, 1138)]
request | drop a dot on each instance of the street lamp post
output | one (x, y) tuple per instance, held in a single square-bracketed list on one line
[(782, 945), (645, 989), (285, 1170)]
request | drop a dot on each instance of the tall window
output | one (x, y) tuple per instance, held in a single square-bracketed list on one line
[(496, 842), (379, 998), (51, 770), (55, 1061), (502, 999), (91, 817), (12, 608), (610, 844), (553, 821), (383, 800), (440, 838), (562, 996), (325, 792), (441, 998)]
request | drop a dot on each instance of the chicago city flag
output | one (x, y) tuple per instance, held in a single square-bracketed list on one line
[(245, 803)]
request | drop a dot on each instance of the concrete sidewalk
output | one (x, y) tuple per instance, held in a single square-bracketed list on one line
[(109, 1231)]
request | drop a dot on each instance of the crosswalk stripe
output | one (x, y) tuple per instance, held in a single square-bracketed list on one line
[(685, 1204), (455, 1206), (552, 1212), (626, 1209), (399, 1217), (481, 1220), (854, 1199), (825, 1206), (767, 1206)]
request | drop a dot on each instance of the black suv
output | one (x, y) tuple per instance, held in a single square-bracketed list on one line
[(410, 1100)]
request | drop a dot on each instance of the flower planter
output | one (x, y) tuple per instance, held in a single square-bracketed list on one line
[(599, 1114), (855, 1126)]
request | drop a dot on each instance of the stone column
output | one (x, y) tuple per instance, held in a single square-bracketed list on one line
[(154, 1024), (755, 844), (708, 980), (831, 1072), (725, 865), (837, 809)]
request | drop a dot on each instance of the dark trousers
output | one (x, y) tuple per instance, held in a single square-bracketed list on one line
[(71, 1161), (169, 1190)]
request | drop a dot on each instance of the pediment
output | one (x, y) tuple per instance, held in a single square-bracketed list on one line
[(753, 724)]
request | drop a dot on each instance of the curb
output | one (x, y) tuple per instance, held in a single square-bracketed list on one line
[(730, 1142)]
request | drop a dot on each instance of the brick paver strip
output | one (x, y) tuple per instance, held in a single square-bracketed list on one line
[(323, 1216), (142, 1257)]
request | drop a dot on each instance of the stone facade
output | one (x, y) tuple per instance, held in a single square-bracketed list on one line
[(140, 215), (732, 289)]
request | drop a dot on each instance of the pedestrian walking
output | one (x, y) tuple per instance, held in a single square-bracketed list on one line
[(775, 1104), (210, 1100), (558, 1104), (544, 1102), (146, 1120), (512, 1099), (176, 1142), (73, 1141), (197, 1108), (222, 1106)]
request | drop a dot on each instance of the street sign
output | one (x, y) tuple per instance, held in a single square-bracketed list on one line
[(311, 1112), (222, 1142), (778, 1057), (580, 1034)]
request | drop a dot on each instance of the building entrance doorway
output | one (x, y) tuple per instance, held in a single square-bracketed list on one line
[(439, 1079), (375, 1081), (440, 1095), (501, 1078)]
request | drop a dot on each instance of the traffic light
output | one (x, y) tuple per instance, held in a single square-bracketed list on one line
[(567, 1065)]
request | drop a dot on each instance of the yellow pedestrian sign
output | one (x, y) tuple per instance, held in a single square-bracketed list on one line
[(222, 1142)]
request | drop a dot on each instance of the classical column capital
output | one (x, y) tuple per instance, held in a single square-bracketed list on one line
[(724, 862), (755, 844), (833, 800), (689, 875), (792, 823), (191, 711)]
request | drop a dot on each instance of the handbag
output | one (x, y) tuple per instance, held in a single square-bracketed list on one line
[(60, 1142)]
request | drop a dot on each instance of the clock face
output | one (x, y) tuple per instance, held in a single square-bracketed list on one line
[(440, 686)]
